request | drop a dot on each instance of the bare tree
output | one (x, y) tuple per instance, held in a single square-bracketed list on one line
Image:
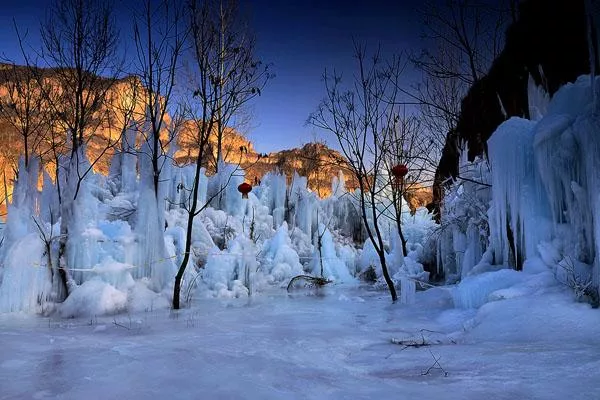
[(227, 76), (405, 146), (233, 51), (124, 104), (80, 45), (160, 37), (362, 119), (467, 35), (22, 106), (8, 163), (23, 112), (462, 38)]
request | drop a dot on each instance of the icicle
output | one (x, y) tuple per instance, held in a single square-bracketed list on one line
[(502, 109), (408, 289), (538, 100), (519, 204)]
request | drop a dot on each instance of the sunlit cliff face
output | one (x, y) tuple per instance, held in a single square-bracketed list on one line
[(123, 108)]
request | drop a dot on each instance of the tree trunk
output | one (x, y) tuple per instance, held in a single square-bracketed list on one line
[(386, 276), (515, 255), (188, 234), (186, 258), (403, 240), (62, 271)]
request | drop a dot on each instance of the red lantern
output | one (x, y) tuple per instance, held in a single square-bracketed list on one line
[(399, 171), (244, 189)]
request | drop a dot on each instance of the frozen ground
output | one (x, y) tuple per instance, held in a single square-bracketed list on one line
[(335, 346)]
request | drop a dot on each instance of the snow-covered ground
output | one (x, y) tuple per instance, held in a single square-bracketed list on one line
[(337, 345)]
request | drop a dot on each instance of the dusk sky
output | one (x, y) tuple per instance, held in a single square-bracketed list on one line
[(300, 39)]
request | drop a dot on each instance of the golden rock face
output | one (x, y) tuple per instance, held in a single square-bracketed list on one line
[(418, 196), (125, 104), (315, 161)]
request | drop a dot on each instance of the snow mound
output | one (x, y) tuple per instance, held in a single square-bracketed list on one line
[(474, 291), (94, 297)]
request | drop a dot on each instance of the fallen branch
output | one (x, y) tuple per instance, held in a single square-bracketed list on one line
[(422, 341), (436, 365), (410, 342), (121, 325), (311, 281)]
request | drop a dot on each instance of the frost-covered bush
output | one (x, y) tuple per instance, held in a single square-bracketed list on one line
[(462, 236)]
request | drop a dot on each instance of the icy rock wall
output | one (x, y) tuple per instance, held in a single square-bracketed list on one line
[(342, 207), (567, 152), (304, 204), (25, 278), (545, 182), (24, 203), (123, 171), (182, 187), (152, 260), (231, 272)]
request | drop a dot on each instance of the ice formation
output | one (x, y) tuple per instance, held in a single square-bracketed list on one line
[(325, 260), (538, 99), (542, 203), (279, 259), (274, 196), (518, 217), (26, 283), (124, 235), (535, 199)]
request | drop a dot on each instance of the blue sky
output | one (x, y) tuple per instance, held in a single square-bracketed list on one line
[(300, 39)]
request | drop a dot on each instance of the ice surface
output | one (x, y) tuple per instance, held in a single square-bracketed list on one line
[(336, 346)]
